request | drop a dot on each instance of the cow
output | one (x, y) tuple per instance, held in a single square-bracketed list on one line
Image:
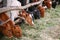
[(32, 9), (7, 26), (27, 17), (15, 13)]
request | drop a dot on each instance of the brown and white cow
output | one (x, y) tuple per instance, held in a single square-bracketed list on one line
[(7, 26), (15, 13), (27, 17)]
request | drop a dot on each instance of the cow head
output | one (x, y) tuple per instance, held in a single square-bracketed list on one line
[(27, 17), (48, 3), (29, 20)]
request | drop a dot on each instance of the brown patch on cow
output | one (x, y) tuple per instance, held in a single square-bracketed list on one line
[(6, 28), (42, 10), (17, 32), (23, 14), (4, 16)]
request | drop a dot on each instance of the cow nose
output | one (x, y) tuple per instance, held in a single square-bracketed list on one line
[(32, 23)]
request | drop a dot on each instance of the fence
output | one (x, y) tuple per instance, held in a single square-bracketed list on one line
[(5, 9)]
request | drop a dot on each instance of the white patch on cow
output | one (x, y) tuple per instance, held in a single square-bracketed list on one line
[(15, 13), (30, 15), (45, 7), (32, 22), (50, 2)]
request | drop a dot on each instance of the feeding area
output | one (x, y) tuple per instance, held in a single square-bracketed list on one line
[(30, 20)]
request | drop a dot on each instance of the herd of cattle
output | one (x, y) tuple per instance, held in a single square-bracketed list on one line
[(9, 23)]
